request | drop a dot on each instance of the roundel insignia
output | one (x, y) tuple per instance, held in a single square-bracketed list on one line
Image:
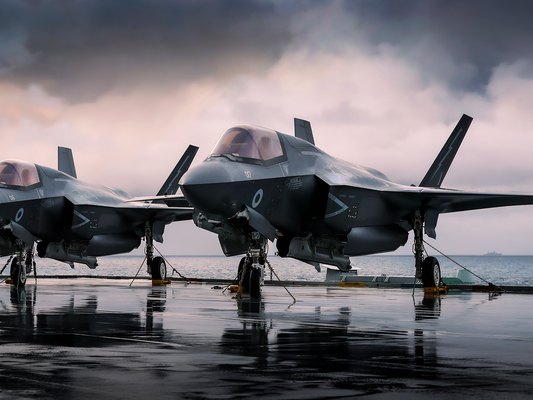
[(19, 215), (257, 198)]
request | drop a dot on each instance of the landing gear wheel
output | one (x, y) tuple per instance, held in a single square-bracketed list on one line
[(431, 272), (159, 269), (255, 283), (246, 279), (18, 273)]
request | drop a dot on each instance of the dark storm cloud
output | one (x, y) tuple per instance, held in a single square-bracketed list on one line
[(476, 35), (80, 49)]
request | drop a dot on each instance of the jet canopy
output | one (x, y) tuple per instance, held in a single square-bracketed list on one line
[(18, 173), (250, 144)]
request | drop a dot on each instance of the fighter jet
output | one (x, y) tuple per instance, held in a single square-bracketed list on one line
[(259, 184), (72, 221)]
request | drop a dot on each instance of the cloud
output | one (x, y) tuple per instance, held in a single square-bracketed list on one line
[(79, 50), (457, 41)]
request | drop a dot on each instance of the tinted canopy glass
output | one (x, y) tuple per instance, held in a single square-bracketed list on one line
[(18, 173), (249, 142)]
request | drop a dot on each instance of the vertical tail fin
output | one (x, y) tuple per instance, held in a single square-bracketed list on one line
[(440, 166), (302, 130), (171, 185), (65, 161)]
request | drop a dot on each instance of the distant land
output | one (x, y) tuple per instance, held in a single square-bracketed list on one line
[(493, 253)]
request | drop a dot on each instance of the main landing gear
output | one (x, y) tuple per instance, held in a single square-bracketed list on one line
[(427, 268), (156, 266), (251, 267), (431, 273)]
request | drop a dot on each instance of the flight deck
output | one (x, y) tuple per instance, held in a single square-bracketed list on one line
[(101, 338)]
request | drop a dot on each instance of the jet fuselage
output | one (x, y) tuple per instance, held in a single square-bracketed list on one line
[(301, 192)]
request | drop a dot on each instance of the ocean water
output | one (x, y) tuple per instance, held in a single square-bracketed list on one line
[(500, 270)]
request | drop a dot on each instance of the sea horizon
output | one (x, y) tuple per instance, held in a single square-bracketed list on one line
[(499, 270)]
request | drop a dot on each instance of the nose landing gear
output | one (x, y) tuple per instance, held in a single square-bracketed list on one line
[(251, 267), (21, 267)]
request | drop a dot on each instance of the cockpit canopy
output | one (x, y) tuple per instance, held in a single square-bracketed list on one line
[(18, 173), (250, 144)]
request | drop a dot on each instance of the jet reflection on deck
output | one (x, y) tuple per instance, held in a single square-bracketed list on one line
[(77, 323), (181, 337), (323, 344)]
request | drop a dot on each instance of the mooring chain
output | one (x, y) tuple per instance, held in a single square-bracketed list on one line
[(173, 269), (7, 263), (274, 272), (145, 258), (5, 266), (491, 285), (139, 270), (232, 282)]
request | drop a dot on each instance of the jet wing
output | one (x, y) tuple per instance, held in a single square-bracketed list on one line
[(154, 212), (387, 205), (440, 201), (169, 200), (134, 214), (448, 201)]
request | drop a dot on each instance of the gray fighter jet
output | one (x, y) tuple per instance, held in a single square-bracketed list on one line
[(259, 184), (75, 222)]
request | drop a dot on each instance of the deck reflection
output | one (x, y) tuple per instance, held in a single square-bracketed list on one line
[(58, 339)]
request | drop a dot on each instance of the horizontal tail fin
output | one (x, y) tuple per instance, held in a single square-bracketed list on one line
[(440, 166), (171, 185)]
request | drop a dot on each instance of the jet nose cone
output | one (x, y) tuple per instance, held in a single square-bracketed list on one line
[(208, 188), (206, 173)]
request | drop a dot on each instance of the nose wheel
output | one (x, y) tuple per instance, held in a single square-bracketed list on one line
[(255, 281), (21, 266), (250, 276), (251, 267), (18, 272)]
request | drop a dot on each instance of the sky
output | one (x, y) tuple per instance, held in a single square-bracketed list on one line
[(129, 84)]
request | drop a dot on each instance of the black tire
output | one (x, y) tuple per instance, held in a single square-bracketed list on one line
[(18, 273), (159, 269), (255, 283), (246, 279), (431, 272)]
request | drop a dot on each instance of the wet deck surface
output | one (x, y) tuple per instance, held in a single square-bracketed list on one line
[(93, 339)]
